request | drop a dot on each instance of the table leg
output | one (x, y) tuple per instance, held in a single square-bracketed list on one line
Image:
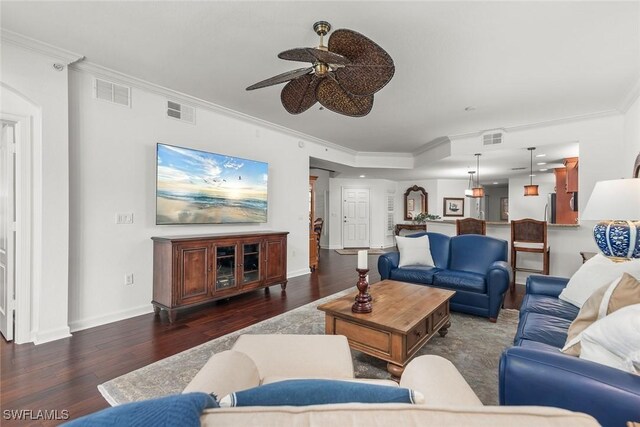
[(443, 331), (395, 371)]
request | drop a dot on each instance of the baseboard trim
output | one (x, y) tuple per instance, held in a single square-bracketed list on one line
[(91, 322), (53, 335), (296, 273)]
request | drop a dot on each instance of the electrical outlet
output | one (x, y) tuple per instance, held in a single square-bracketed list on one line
[(124, 218), (128, 279)]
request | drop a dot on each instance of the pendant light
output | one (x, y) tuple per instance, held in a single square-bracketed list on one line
[(531, 190), (469, 191), (478, 191)]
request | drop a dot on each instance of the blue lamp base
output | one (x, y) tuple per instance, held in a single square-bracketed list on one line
[(618, 239)]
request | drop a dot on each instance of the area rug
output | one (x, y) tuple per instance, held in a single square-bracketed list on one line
[(355, 251), (473, 344)]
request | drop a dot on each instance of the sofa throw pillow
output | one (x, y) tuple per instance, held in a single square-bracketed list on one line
[(594, 274), (414, 251), (181, 410), (620, 293), (303, 392), (615, 340)]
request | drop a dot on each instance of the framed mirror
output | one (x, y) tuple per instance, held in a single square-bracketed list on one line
[(415, 202)]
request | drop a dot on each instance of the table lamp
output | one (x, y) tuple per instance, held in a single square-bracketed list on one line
[(616, 204)]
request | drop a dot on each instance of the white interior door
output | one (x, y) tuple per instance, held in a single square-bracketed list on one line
[(7, 230), (355, 217)]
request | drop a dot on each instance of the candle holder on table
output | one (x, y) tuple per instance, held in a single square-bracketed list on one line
[(363, 299)]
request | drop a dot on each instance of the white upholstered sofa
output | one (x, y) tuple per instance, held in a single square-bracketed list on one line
[(262, 359)]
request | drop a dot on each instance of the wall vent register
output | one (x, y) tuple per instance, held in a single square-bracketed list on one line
[(181, 112), (112, 92), (493, 138)]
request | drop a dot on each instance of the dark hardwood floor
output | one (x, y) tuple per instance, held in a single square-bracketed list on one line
[(64, 374)]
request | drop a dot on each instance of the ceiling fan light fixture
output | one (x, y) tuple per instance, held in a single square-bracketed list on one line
[(531, 189), (342, 77)]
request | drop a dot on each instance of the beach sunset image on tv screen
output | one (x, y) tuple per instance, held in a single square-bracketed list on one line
[(197, 187)]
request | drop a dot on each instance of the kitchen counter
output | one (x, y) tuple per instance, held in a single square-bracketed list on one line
[(502, 223)]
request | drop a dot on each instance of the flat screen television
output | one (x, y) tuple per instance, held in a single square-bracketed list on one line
[(197, 187)]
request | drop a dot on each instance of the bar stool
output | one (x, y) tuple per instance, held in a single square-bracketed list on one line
[(529, 235), (471, 226)]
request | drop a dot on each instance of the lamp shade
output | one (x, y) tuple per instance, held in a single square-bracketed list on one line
[(617, 204), (531, 190), (615, 199), (478, 192)]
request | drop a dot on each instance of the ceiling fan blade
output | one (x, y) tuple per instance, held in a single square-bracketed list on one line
[(300, 94), (371, 67), (281, 78), (364, 79), (335, 98), (310, 54)]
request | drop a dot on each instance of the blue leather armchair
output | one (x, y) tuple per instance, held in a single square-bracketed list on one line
[(472, 265), (535, 372)]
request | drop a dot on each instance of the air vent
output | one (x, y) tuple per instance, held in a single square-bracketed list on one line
[(518, 169), (493, 137), (111, 92), (181, 112)]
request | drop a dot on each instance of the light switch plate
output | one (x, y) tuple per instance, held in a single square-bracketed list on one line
[(124, 218)]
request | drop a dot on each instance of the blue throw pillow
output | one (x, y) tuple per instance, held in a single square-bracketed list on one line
[(180, 410), (318, 392)]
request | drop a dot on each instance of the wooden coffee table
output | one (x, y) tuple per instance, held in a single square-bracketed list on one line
[(404, 317)]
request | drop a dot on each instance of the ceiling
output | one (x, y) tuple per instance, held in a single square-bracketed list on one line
[(495, 166), (515, 62)]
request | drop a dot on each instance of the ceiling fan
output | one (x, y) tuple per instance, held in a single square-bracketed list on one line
[(343, 78)]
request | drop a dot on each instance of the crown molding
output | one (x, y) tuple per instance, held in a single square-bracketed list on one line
[(544, 123), (384, 154), (631, 97), (121, 78), (43, 48), (431, 145)]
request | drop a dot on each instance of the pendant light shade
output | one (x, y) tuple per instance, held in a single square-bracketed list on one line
[(531, 189), (469, 191), (478, 191)]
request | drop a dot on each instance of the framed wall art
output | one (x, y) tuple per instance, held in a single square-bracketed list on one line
[(453, 206)]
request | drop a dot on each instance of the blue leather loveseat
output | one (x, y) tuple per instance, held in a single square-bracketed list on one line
[(472, 265), (535, 372)]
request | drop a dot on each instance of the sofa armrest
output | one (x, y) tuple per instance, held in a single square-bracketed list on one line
[(386, 263), (498, 279), (298, 356), (225, 373), (547, 378), (439, 381), (546, 285)]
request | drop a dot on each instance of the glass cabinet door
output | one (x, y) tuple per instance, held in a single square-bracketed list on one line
[(225, 267), (251, 262)]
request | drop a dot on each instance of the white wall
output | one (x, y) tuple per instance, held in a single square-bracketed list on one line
[(495, 193), (31, 75), (451, 188), (521, 206), (378, 191), (631, 137), (113, 162)]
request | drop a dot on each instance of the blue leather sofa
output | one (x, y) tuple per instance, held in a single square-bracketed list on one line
[(472, 265), (535, 372)]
